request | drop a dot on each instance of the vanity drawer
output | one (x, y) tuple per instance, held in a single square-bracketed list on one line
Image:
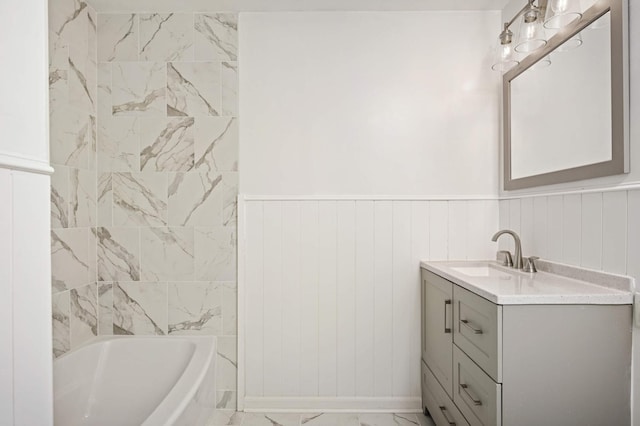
[(478, 330), (443, 411), (477, 396)]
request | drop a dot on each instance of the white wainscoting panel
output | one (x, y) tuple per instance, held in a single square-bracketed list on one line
[(332, 308)]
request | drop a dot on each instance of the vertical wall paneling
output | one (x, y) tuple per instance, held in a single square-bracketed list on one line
[(346, 298), (526, 226), (365, 309), (383, 298), (554, 227), (405, 298), (273, 299), (514, 218), (254, 337), (477, 230), (458, 230), (614, 232), (291, 278), (571, 229), (309, 298), (438, 230), (539, 247), (591, 238), (633, 235), (6, 302), (503, 207), (327, 298)]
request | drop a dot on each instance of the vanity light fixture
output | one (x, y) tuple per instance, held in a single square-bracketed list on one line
[(531, 36), (561, 13)]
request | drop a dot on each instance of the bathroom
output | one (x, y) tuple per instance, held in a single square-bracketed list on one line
[(343, 155)]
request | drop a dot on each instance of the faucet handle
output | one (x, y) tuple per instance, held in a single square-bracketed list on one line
[(529, 264), (504, 256)]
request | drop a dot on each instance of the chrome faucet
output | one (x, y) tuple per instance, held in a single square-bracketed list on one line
[(517, 256)]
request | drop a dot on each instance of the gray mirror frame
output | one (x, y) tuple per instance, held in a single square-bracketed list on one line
[(619, 162)]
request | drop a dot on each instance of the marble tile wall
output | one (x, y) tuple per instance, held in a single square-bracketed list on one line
[(167, 166), (73, 146)]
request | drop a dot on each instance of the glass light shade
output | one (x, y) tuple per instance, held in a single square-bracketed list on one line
[(531, 35), (504, 57), (573, 43), (561, 13)]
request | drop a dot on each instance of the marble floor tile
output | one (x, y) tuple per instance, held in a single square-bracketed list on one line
[(388, 419), (226, 418), (226, 400), (330, 419), (271, 419), (424, 420)]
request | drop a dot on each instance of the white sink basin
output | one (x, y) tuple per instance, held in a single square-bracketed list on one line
[(473, 271)]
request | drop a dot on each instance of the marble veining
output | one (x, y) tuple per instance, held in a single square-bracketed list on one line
[(81, 87), (229, 308), (388, 419), (77, 8), (119, 144), (105, 200), (166, 37), (105, 309), (69, 262), (226, 400), (230, 88), (167, 254), (138, 308), (195, 308), (216, 36), (216, 144), (193, 89), (71, 132), (60, 198), (167, 145), (226, 363), (117, 37), (118, 254), (138, 88), (60, 323), (215, 250), (230, 201), (139, 199), (195, 199), (84, 314), (230, 417), (82, 198)]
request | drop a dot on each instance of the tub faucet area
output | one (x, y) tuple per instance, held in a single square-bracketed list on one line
[(517, 256)]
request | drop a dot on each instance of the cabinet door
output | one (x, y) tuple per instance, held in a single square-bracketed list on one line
[(437, 318)]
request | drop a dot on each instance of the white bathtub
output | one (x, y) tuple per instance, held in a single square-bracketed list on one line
[(136, 380)]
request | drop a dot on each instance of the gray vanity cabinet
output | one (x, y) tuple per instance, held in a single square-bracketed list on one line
[(519, 365)]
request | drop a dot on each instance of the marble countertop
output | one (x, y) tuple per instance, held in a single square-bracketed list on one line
[(506, 286)]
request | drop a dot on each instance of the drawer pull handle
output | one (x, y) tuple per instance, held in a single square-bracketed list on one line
[(445, 413), (467, 391), (447, 330), (470, 326)]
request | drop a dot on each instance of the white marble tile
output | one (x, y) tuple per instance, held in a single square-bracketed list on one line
[(193, 89), (105, 101), (230, 89), (117, 37), (60, 323), (216, 36), (167, 144), (139, 199), (166, 37), (83, 318), (226, 418), (140, 308), (216, 144), (105, 200), (60, 197), (70, 141), (92, 254), (229, 309), (195, 308), (119, 144), (58, 70), (195, 199), (82, 81), (388, 419), (226, 364), (105, 309), (167, 254), (227, 400), (82, 198), (92, 36), (271, 419), (69, 20), (69, 259), (215, 254), (139, 88), (118, 254), (329, 419), (230, 200)]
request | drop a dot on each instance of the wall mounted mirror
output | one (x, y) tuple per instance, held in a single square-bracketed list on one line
[(565, 109)]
